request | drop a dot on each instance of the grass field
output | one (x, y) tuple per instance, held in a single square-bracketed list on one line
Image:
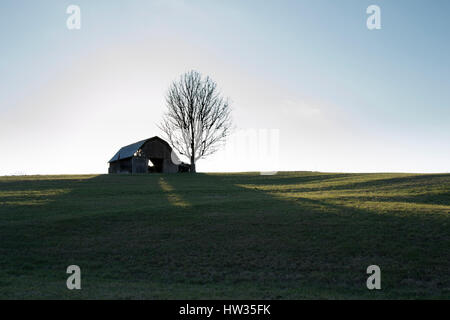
[(293, 235)]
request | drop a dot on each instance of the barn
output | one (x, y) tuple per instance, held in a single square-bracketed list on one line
[(146, 156)]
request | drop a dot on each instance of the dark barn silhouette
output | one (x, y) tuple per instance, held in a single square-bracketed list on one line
[(146, 156)]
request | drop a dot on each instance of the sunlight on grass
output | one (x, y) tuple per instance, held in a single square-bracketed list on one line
[(30, 197), (60, 177), (241, 236), (396, 206), (384, 193), (25, 203), (172, 197)]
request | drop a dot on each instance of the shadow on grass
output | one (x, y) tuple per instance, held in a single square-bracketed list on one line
[(372, 182), (126, 232)]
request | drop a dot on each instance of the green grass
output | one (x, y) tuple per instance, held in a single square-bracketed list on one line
[(293, 235)]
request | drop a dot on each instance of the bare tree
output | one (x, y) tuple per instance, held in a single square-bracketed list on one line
[(198, 118)]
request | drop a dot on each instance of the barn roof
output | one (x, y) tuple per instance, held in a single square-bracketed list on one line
[(131, 149)]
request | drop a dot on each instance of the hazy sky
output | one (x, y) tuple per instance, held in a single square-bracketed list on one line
[(340, 96)]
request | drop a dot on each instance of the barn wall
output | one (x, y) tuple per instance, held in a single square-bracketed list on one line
[(113, 167), (140, 165), (125, 166), (157, 149), (121, 166), (169, 166)]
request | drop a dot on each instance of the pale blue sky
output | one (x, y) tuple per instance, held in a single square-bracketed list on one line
[(344, 98)]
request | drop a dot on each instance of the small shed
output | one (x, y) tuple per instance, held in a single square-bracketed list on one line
[(146, 156)]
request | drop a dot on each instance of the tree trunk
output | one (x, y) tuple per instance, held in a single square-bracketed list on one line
[(193, 164), (192, 155)]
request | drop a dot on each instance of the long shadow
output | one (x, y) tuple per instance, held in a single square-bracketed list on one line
[(286, 178), (441, 197), (99, 223), (407, 179), (319, 237), (131, 240)]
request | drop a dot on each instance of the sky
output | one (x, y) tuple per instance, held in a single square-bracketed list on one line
[(312, 88)]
